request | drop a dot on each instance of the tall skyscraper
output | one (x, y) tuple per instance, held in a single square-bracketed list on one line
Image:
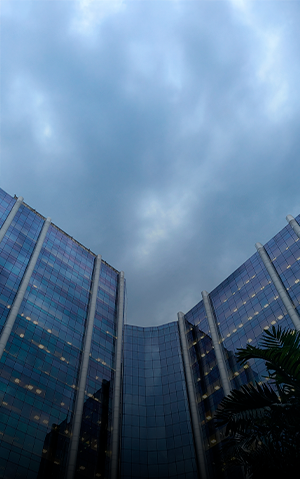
[(85, 396)]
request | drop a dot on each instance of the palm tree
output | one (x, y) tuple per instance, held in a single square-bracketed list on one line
[(263, 421)]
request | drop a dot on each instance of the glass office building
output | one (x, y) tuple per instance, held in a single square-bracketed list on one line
[(43, 351), (84, 395), (157, 439)]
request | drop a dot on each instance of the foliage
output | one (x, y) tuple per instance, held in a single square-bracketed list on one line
[(263, 421)]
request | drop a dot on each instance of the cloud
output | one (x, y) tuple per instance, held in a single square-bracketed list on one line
[(163, 135), (89, 14)]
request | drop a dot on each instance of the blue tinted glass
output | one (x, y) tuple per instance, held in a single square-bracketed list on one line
[(158, 437)]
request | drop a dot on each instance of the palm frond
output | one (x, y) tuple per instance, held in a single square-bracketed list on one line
[(280, 349)]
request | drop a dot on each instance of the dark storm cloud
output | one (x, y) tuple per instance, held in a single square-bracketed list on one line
[(163, 135)]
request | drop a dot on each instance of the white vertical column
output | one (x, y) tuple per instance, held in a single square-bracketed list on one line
[(199, 446), (291, 220), (279, 286), (117, 382), (79, 403), (10, 217), (216, 343), (22, 288)]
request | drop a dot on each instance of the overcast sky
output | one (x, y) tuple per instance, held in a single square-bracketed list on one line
[(163, 135)]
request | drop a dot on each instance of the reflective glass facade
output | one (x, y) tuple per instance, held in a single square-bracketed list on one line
[(42, 363), (157, 439), (243, 306)]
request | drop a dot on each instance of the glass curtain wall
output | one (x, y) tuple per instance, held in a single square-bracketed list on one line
[(157, 439)]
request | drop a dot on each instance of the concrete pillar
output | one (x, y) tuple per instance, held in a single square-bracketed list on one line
[(279, 286), (291, 220), (216, 343), (10, 217), (199, 446), (22, 288), (79, 403), (117, 382)]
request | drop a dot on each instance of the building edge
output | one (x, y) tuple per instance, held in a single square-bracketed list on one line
[(198, 439), (117, 382), (79, 403)]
